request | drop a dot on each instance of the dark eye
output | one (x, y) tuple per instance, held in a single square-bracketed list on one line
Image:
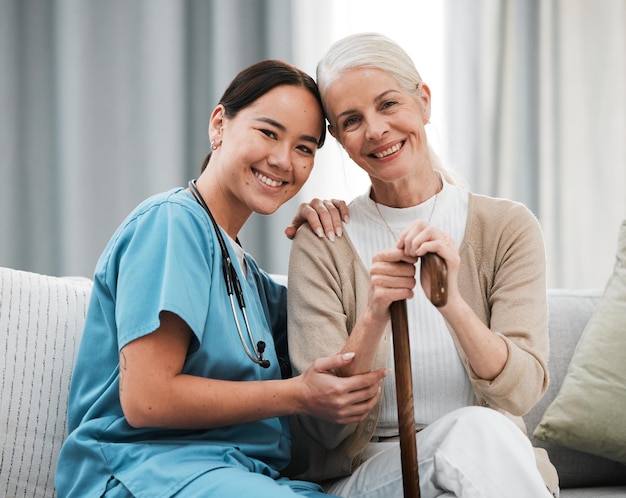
[(269, 133), (388, 104), (305, 149)]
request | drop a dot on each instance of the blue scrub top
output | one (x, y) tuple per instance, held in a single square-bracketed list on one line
[(165, 256)]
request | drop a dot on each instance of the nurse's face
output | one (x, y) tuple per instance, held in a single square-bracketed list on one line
[(267, 149), (378, 122)]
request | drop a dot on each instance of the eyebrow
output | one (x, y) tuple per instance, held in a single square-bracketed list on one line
[(281, 127), (376, 99)]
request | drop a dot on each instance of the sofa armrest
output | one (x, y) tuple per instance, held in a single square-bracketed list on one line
[(41, 321)]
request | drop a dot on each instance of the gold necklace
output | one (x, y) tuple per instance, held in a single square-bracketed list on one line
[(393, 234)]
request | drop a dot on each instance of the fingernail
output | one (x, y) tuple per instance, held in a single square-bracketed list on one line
[(387, 371), (320, 232), (348, 356), (331, 236), (339, 232), (346, 219)]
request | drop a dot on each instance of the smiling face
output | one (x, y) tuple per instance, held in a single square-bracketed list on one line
[(380, 124), (265, 155)]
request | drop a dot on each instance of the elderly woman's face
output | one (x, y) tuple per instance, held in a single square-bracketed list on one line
[(378, 122)]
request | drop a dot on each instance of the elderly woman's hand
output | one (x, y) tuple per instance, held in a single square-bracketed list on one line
[(392, 278), (420, 238)]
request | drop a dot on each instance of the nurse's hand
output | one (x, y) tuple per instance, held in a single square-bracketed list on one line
[(324, 218), (342, 400)]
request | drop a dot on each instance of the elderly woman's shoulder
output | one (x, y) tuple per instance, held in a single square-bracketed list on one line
[(497, 215), (497, 207)]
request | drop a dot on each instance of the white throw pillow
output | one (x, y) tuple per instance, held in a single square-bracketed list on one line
[(41, 321)]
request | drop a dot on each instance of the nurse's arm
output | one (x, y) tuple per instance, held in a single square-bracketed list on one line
[(155, 393)]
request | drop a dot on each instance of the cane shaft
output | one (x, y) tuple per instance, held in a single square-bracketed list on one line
[(404, 391)]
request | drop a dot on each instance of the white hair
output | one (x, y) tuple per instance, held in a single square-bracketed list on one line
[(376, 51), (367, 50)]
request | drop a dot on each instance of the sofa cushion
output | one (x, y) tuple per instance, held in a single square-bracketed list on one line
[(41, 320), (588, 413), (569, 312)]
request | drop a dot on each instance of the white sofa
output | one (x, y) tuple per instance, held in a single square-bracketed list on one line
[(41, 320)]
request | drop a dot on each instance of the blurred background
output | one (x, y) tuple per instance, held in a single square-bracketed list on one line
[(105, 102)]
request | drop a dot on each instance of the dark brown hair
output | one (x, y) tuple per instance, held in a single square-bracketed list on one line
[(258, 79)]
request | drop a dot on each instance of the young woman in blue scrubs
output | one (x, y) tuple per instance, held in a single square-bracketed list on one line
[(178, 388)]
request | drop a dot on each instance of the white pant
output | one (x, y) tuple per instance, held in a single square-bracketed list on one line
[(472, 452)]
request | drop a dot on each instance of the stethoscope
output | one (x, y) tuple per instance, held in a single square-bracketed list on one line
[(233, 287)]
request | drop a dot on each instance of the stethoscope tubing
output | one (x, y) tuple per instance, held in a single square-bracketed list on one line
[(233, 286)]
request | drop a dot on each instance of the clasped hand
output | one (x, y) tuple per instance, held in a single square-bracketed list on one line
[(342, 400)]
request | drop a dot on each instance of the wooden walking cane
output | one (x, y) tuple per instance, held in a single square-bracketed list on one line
[(404, 380)]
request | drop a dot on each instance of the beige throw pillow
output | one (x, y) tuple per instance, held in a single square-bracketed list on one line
[(589, 413)]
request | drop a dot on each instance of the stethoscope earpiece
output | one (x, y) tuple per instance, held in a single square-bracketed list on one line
[(233, 287)]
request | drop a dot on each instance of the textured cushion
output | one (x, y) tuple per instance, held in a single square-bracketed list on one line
[(588, 413), (570, 311), (41, 319)]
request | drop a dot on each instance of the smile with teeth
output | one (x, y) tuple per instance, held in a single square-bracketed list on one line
[(268, 181), (389, 151)]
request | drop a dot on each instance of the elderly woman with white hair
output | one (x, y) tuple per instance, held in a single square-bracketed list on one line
[(479, 361)]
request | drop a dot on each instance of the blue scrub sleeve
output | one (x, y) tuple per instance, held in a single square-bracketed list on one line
[(163, 260)]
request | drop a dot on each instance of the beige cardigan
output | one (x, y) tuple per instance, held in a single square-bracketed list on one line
[(502, 278)]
